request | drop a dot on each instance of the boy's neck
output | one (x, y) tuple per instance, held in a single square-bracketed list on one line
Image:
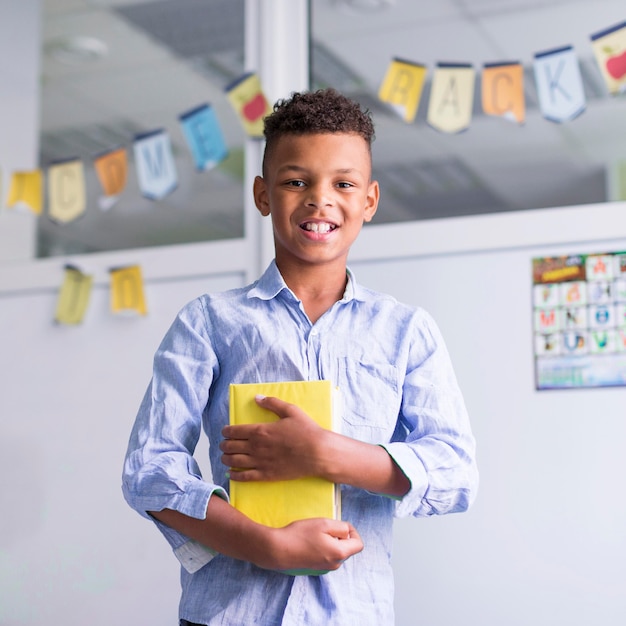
[(318, 287)]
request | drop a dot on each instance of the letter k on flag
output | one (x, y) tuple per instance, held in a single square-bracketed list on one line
[(559, 84)]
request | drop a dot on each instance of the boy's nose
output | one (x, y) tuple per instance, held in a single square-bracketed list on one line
[(318, 196)]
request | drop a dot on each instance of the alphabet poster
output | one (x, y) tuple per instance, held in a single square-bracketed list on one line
[(579, 320)]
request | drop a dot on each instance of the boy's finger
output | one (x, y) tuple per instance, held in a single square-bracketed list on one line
[(276, 405)]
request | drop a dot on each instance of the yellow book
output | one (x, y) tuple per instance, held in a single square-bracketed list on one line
[(279, 503)]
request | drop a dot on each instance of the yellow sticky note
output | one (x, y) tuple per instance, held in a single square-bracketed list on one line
[(402, 87), (73, 297), (127, 294), (249, 102), (27, 188)]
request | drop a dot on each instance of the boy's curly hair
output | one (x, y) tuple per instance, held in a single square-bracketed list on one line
[(322, 111)]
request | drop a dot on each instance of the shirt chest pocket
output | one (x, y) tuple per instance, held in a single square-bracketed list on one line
[(370, 399)]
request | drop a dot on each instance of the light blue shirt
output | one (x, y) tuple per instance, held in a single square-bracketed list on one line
[(398, 390)]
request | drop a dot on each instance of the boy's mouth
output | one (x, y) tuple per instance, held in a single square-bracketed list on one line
[(318, 227)]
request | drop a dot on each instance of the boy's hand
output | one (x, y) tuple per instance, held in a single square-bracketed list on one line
[(282, 450), (313, 544)]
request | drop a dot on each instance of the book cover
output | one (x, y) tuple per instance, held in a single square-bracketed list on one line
[(279, 503)]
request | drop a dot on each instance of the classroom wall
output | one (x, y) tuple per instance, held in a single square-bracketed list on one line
[(543, 544), (71, 550), (19, 119)]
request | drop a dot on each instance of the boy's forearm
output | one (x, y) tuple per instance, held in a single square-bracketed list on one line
[(351, 462), (224, 530), (318, 544)]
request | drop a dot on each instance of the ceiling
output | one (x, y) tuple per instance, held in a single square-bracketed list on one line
[(146, 62)]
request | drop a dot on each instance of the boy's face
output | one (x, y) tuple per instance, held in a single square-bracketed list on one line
[(318, 191)]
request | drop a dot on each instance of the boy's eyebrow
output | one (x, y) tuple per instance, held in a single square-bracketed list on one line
[(299, 168)]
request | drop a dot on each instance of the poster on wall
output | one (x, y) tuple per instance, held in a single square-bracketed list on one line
[(579, 320)]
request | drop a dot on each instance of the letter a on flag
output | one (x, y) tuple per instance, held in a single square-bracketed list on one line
[(27, 189), (402, 87), (451, 97), (66, 190), (156, 170), (112, 170), (503, 91), (559, 84), (127, 294), (246, 97), (204, 137), (609, 47), (73, 297)]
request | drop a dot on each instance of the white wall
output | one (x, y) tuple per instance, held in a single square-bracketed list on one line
[(543, 545), (545, 542), (19, 119), (71, 550)]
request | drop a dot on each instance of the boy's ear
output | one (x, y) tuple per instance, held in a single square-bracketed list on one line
[(261, 198), (373, 196)]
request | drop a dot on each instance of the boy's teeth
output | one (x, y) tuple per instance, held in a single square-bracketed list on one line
[(318, 228)]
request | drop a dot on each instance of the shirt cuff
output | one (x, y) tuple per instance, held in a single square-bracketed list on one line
[(191, 554), (412, 503)]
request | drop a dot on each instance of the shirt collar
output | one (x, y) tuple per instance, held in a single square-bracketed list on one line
[(272, 283)]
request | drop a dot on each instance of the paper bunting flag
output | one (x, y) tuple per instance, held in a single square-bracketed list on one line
[(27, 189), (66, 190), (402, 87), (156, 170), (559, 84), (73, 297), (127, 290), (609, 47), (246, 97), (503, 91), (112, 170), (451, 97), (204, 136)]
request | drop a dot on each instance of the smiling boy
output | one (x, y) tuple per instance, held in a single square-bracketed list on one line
[(405, 446)]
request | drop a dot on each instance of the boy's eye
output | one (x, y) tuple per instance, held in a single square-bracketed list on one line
[(344, 185), (295, 183)]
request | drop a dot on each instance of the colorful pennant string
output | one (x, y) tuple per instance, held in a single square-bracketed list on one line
[(247, 99), (559, 84), (451, 98), (609, 47), (127, 293), (402, 87), (66, 190), (27, 189), (112, 170), (73, 297), (156, 170), (503, 91), (204, 137)]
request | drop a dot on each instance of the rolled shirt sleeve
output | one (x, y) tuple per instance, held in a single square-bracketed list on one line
[(438, 453), (160, 471)]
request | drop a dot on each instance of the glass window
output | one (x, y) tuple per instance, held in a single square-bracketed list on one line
[(495, 165), (112, 71)]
